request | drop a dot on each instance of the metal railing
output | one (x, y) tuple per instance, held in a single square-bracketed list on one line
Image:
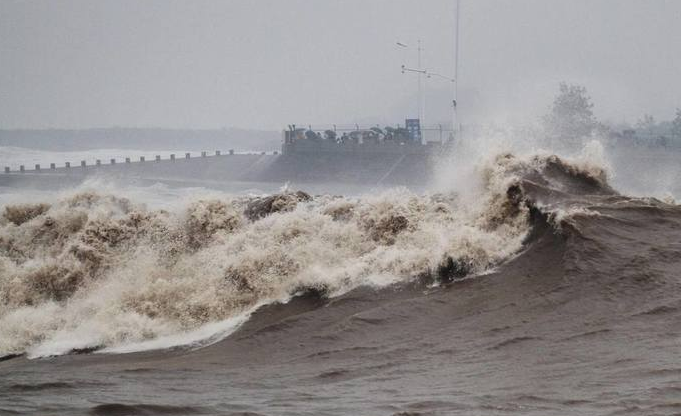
[(122, 163), (363, 127), (429, 133)]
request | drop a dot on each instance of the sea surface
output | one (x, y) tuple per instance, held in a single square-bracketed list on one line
[(544, 285)]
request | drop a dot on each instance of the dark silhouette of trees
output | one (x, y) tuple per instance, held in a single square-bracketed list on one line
[(646, 124), (571, 117), (676, 124)]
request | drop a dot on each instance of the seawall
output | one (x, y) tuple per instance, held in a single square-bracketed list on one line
[(366, 169)]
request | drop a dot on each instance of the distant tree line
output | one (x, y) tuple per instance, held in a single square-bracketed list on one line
[(570, 120)]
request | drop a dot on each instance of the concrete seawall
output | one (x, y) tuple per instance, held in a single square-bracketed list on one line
[(358, 168), (636, 169)]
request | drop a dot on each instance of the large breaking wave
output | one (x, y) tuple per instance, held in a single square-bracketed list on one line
[(94, 271)]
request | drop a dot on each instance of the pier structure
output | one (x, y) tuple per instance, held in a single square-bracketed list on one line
[(349, 140), (334, 154)]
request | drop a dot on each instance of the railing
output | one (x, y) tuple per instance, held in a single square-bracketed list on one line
[(113, 162), (429, 133), (362, 127)]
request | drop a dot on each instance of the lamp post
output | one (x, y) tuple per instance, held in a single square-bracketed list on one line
[(419, 70), (421, 107), (455, 121), (453, 81)]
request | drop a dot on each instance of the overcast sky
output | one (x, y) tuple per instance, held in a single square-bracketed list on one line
[(268, 63)]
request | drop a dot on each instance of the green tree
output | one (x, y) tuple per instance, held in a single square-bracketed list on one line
[(646, 124), (571, 117), (676, 124)]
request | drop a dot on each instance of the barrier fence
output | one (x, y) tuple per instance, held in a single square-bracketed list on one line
[(113, 162), (429, 133)]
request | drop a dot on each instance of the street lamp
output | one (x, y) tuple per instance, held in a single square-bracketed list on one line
[(453, 81), (455, 121), (419, 71), (433, 74)]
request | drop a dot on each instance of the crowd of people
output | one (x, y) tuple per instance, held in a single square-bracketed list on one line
[(372, 135)]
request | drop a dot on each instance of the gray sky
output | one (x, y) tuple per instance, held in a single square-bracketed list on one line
[(267, 63)]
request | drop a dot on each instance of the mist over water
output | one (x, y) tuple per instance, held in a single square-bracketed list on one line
[(636, 171)]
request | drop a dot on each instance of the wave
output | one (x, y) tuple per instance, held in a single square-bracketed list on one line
[(100, 272), (115, 409)]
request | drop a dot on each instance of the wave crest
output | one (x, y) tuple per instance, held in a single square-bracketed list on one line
[(92, 271)]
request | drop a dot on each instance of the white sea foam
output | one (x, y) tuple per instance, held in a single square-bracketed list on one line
[(202, 336), (94, 270)]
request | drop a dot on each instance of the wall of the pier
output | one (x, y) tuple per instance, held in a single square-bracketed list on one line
[(361, 167), (353, 148)]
